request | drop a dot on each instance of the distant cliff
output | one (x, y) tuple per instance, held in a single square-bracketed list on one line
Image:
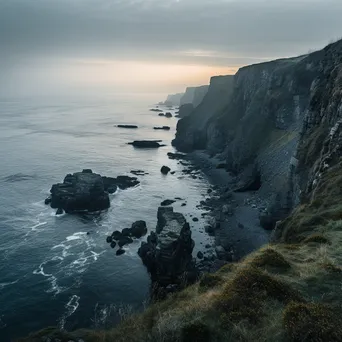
[(194, 95), (173, 99), (264, 119)]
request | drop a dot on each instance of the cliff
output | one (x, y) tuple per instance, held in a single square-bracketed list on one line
[(192, 130), (173, 99), (194, 95)]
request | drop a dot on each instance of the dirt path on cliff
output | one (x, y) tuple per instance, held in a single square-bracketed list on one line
[(239, 232)]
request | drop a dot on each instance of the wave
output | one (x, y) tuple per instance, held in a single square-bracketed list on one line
[(18, 177), (3, 285), (70, 307)]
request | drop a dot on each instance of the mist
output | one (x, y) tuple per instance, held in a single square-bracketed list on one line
[(149, 45)]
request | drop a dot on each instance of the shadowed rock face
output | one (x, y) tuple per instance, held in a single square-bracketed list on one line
[(86, 191), (168, 251)]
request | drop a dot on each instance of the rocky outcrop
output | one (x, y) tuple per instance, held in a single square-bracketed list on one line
[(167, 253), (127, 126), (164, 128), (185, 110), (86, 191), (193, 129)]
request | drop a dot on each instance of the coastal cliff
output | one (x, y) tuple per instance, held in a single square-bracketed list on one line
[(281, 123)]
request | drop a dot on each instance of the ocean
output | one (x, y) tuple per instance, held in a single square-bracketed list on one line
[(59, 270)]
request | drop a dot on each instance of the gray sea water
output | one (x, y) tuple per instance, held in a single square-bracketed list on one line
[(51, 272)]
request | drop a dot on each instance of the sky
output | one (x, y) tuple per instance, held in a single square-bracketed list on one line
[(151, 45)]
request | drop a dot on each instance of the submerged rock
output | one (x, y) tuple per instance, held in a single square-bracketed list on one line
[(146, 143), (125, 240), (165, 128), (168, 251), (127, 126), (167, 202), (137, 230), (120, 251)]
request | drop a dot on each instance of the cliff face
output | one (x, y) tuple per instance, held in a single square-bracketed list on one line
[(194, 95), (266, 122), (192, 130), (174, 99)]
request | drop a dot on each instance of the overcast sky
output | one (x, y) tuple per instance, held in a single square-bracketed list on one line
[(114, 41)]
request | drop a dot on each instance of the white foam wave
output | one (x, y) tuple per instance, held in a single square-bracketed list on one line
[(70, 307), (76, 236), (3, 285)]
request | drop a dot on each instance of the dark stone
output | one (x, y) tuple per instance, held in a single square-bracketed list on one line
[(155, 110), (183, 204), (47, 201), (125, 240), (267, 221), (127, 126), (209, 191), (200, 255), (176, 155), (165, 128), (109, 239), (161, 114), (113, 244), (195, 219), (168, 115), (123, 182), (126, 232), (173, 172), (120, 251), (117, 235), (139, 229), (207, 246), (146, 143), (165, 170), (59, 211), (210, 230), (168, 252), (87, 171), (80, 192), (167, 202)]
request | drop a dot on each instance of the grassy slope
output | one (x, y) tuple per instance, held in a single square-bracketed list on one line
[(282, 292)]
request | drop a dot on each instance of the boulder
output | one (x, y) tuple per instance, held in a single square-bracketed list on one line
[(117, 235), (146, 143), (122, 182), (165, 128), (161, 114), (168, 251), (124, 240), (47, 201), (113, 244), (176, 155), (109, 239), (59, 211), (138, 229), (127, 126), (165, 170), (155, 110), (167, 202), (120, 251), (168, 115), (80, 192)]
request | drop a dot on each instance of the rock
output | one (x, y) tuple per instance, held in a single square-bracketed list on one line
[(210, 230), (138, 229), (146, 143), (59, 211), (117, 235), (113, 244), (139, 172), (80, 192), (200, 255), (267, 221), (126, 232), (168, 115), (167, 202), (127, 126), (165, 170), (123, 182), (176, 155), (47, 201), (220, 252), (207, 246), (109, 239), (120, 251), (124, 240), (168, 252), (155, 110), (87, 191), (183, 204), (209, 191), (161, 114), (165, 128), (173, 172), (241, 226), (195, 219)]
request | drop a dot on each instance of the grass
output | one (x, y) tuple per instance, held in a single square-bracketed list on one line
[(269, 257)]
